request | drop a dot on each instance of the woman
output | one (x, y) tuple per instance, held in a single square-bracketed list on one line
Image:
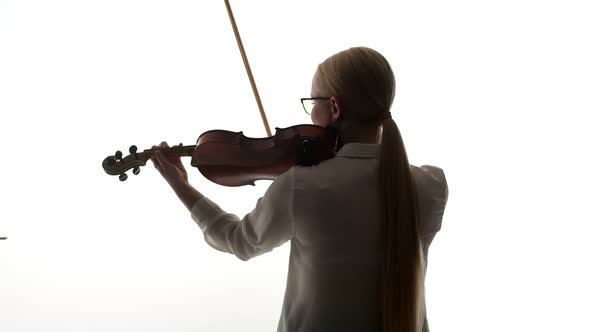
[(360, 224)]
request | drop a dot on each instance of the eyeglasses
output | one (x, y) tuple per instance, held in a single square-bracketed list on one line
[(309, 102)]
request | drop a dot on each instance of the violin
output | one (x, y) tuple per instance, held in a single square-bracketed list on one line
[(232, 159)]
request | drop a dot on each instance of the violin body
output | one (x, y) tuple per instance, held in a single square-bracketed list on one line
[(232, 159)]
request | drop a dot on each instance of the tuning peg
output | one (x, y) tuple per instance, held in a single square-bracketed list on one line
[(133, 149), (136, 170), (119, 155), (123, 177)]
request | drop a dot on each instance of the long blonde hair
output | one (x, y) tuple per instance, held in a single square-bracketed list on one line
[(363, 80)]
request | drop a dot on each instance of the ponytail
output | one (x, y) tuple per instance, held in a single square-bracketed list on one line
[(403, 266)]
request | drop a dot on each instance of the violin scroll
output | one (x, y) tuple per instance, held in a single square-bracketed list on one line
[(118, 165)]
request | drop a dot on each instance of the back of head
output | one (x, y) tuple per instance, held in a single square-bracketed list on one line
[(364, 82)]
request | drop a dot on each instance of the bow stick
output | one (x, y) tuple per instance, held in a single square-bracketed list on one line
[(245, 58)]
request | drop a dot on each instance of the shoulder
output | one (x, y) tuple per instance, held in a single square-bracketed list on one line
[(431, 176), (431, 184), (432, 191)]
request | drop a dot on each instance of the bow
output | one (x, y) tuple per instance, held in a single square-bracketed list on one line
[(247, 65)]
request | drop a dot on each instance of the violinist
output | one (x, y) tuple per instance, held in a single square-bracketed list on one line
[(359, 224)]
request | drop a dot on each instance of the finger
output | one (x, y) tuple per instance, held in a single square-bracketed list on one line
[(156, 161), (163, 161), (180, 145), (157, 166), (173, 159), (176, 158), (153, 157)]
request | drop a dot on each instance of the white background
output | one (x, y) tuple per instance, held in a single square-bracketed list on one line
[(495, 93)]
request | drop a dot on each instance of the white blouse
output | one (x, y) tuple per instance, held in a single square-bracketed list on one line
[(331, 214)]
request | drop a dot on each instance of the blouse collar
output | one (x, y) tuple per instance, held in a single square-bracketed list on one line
[(359, 150)]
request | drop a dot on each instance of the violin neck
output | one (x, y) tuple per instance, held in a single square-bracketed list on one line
[(181, 151)]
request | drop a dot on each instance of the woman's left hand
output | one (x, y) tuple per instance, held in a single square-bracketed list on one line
[(171, 168)]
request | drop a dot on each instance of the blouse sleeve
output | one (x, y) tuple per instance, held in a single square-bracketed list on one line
[(269, 225), (433, 193)]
